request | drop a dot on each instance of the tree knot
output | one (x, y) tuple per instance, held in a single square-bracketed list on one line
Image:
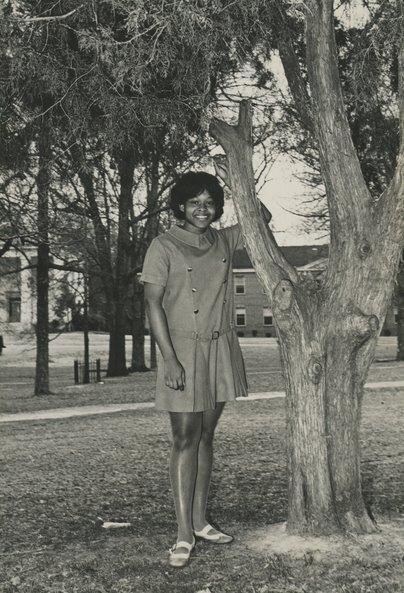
[(363, 326), (365, 249), (374, 323), (315, 369), (283, 295)]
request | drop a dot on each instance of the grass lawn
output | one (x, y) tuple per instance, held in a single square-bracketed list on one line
[(17, 372), (59, 478)]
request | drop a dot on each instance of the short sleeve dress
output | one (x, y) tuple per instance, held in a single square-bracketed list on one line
[(196, 271)]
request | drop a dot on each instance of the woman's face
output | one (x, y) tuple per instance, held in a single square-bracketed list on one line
[(199, 212)]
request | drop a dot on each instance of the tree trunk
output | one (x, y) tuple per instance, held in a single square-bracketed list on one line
[(138, 364), (324, 381), (86, 378), (328, 340), (151, 229), (400, 311), (101, 233), (327, 337), (42, 274), (119, 314)]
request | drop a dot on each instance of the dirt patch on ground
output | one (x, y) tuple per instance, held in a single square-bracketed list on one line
[(274, 539)]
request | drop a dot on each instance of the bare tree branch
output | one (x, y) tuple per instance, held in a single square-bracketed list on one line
[(45, 19), (270, 264), (389, 210), (291, 66), (346, 187)]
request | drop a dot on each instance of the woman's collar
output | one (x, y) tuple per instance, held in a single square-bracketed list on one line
[(192, 239)]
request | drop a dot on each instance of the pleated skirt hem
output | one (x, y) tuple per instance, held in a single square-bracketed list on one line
[(214, 372)]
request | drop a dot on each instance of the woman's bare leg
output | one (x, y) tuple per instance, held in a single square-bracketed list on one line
[(186, 430), (205, 458)]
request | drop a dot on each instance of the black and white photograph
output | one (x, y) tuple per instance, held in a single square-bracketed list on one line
[(202, 296)]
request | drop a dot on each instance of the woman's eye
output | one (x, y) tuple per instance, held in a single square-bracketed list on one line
[(207, 204)]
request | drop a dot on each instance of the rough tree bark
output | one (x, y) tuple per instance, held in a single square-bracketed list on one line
[(327, 333), (43, 180)]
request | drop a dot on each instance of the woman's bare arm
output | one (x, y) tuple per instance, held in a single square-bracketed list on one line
[(173, 371)]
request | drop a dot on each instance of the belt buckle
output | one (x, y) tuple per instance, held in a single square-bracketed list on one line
[(215, 335)]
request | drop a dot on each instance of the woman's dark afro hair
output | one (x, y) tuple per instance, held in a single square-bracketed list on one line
[(192, 184)]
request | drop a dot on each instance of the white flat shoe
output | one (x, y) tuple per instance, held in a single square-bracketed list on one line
[(217, 538), (180, 559)]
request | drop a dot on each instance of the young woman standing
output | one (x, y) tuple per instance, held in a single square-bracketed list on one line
[(187, 274)]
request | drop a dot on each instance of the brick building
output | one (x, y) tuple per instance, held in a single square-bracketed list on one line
[(253, 316)]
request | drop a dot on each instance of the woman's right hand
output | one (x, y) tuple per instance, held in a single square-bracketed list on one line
[(174, 374)]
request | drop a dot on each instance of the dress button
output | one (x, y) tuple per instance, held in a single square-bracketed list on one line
[(189, 269), (224, 281), (196, 311), (225, 301), (224, 260), (193, 289)]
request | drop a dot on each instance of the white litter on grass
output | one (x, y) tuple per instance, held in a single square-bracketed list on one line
[(114, 525)]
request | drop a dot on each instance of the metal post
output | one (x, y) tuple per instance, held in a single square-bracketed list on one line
[(98, 369), (76, 372)]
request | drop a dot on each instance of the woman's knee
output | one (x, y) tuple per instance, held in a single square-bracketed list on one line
[(209, 423), (184, 441), (186, 430)]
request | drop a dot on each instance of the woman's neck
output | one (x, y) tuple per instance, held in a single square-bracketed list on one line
[(193, 229)]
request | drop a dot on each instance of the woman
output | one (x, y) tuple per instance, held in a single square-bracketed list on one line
[(187, 275)]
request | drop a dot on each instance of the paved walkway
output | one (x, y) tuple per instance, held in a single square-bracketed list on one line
[(111, 408)]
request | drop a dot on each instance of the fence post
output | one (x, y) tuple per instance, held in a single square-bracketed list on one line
[(98, 368), (76, 372)]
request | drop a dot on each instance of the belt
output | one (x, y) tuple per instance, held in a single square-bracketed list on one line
[(202, 337), (205, 337)]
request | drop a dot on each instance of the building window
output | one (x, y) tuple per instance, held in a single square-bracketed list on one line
[(14, 309), (267, 314), (239, 284), (240, 317)]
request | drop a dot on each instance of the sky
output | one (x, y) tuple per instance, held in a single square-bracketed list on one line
[(284, 191)]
